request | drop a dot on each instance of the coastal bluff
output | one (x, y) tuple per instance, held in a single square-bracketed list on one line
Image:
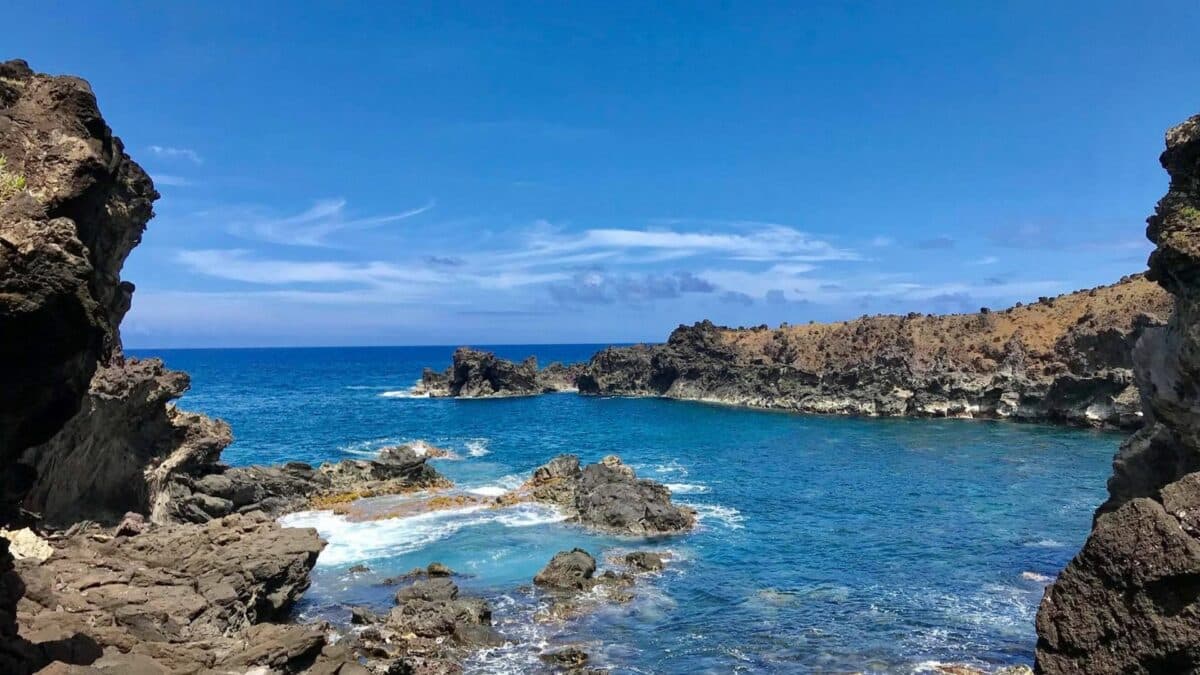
[(1065, 359)]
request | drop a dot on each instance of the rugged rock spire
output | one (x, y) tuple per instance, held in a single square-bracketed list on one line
[(1130, 600)]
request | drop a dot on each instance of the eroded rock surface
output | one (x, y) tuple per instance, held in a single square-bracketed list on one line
[(181, 597), (430, 628), (1065, 359), (1130, 600), (607, 496), (479, 374), (217, 490)]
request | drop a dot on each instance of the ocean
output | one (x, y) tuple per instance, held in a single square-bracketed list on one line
[(824, 543)]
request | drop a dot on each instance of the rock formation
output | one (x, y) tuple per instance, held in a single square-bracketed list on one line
[(1062, 359), (215, 490), (1130, 600), (430, 627), (86, 435), (606, 496), (480, 374)]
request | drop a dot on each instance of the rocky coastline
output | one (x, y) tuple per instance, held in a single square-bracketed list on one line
[(130, 547), (1065, 359), (127, 545)]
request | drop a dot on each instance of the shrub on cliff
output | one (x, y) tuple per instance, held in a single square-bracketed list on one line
[(11, 184)]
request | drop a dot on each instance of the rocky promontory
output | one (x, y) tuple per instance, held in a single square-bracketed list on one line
[(1064, 359), (479, 374), (1129, 602)]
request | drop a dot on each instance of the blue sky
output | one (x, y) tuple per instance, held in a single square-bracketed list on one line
[(387, 173)]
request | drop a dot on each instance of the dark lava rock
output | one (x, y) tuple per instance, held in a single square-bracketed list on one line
[(1130, 600), (479, 374), (568, 571), (609, 496), (645, 561), (1066, 360)]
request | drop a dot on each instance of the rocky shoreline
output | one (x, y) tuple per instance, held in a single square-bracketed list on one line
[(1066, 359), (129, 547)]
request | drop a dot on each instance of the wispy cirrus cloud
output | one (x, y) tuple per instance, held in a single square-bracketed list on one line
[(169, 152), (748, 241), (314, 226)]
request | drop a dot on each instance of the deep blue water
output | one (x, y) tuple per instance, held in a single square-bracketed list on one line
[(825, 543)]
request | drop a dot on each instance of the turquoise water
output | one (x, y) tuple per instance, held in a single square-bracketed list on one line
[(824, 544)]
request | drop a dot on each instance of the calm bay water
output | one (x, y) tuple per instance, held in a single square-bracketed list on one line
[(825, 543)]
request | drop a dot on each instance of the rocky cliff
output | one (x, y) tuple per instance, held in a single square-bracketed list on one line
[(1130, 600), (1066, 358), (86, 434)]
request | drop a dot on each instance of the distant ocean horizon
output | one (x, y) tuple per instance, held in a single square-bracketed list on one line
[(824, 543)]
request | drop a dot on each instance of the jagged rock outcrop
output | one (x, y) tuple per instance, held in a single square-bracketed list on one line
[(64, 237), (606, 496), (1129, 602), (96, 435), (429, 629), (63, 241), (1065, 359), (101, 465), (216, 490), (181, 598), (480, 374)]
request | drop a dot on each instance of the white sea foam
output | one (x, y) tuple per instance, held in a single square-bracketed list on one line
[(687, 488), (488, 491), (411, 392), (672, 466), (351, 541), (1044, 543), (402, 393), (1034, 576), (478, 447), (725, 515)]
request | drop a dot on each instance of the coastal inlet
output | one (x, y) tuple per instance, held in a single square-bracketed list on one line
[(821, 543)]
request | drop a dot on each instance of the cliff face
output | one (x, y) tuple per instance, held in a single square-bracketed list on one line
[(1130, 600), (1064, 359), (63, 241)]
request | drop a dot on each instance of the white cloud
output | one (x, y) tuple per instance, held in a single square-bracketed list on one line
[(242, 265), (167, 152), (753, 242), (314, 226), (170, 180)]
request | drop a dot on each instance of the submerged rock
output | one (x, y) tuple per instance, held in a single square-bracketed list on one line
[(1129, 602), (1064, 359), (479, 374)]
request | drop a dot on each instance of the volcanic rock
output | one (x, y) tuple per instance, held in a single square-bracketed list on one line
[(1065, 359), (480, 374), (1129, 602), (607, 496)]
